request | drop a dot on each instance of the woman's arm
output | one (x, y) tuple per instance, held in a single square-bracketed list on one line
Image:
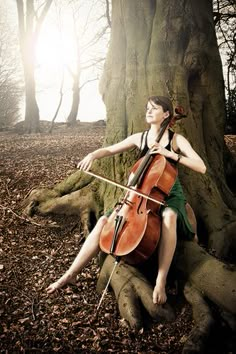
[(126, 144), (188, 156)]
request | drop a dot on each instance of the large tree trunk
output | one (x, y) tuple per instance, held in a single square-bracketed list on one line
[(166, 48), (171, 49)]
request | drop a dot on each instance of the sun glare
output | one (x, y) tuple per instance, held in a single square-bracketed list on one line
[(54, 49), (56, 56)]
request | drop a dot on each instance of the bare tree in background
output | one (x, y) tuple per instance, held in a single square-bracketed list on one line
[(90, 31), (225, 23), (30, 21), (10, 88)]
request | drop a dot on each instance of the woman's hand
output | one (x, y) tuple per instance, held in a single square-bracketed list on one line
[(156, 148), (86, 163)]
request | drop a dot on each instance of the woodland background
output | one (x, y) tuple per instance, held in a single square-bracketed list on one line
[(34, 251)]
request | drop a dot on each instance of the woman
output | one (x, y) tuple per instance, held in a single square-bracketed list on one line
[(176, 149)]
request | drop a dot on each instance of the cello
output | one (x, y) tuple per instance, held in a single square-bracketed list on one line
[(134, 227)]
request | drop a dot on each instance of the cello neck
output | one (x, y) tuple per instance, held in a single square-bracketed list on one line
[(164, 125), (148, 157)]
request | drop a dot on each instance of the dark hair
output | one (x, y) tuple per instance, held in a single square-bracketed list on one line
[(163, 101)]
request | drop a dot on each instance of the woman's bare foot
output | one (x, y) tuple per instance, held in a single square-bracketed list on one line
[(159, 293), (65, 279)]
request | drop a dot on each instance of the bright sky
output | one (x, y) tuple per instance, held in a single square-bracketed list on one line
[(57, 49)]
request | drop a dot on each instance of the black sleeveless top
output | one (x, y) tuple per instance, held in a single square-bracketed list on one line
[(145, 148)]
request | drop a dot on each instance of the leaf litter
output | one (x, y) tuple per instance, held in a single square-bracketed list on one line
[(35, 252)]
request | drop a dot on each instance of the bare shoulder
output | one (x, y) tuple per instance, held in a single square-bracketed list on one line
[(136, 139), (180, 143), (184, 147)]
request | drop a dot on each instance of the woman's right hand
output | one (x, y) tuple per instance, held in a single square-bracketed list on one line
[(86, 163)]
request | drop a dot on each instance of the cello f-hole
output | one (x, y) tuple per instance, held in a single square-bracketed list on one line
[(139, 206)]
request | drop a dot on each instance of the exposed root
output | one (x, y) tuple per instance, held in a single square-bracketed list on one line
[(210, 276), (27, 219), (224, 241), (85, 203), (35, 198), (132, 289), (48, 201), (204, 321)]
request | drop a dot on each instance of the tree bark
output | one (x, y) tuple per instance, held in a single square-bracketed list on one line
[(213, 278), (204, 322)]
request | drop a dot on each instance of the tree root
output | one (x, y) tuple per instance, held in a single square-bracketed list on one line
[(86, 203), (204, 321), (224, 241), (214, 279), (45, 200), (211, 281), (132, 290), (35, 198)]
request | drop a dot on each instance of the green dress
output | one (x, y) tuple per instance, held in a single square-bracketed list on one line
[(177, 201)]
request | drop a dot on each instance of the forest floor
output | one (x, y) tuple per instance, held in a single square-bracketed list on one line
[(34, 252)]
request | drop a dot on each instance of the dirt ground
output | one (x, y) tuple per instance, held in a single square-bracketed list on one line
[(34, 252)]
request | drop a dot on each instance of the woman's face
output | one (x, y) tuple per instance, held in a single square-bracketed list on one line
[(155, 113)]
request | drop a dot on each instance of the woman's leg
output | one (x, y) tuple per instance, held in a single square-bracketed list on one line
[(89, 250), (166, 249)]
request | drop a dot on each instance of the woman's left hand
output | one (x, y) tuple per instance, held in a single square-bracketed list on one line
[(156, 148)]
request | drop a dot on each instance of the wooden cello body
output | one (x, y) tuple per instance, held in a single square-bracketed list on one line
[(133, 229)]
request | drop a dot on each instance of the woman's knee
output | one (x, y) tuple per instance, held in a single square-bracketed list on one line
[(169, 216), (102, 220)]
